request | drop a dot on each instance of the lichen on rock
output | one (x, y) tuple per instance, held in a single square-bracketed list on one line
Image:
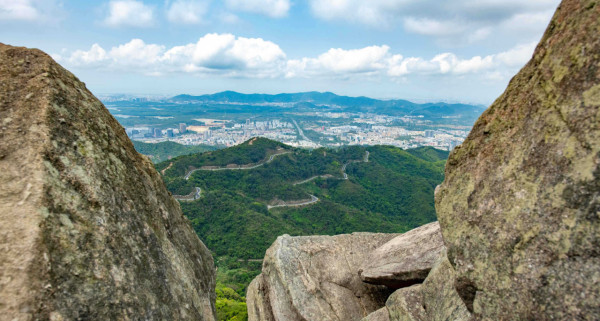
[(519, 208), (87, 227)]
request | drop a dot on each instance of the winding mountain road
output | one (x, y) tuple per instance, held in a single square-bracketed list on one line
[(164, 170), (313, 199), (364, 160), (198, 191), (240, 167)]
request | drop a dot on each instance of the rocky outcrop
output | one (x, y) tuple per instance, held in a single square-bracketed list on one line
[(406, 259), (87, 229), (406, 304), (435, 299), (520, 205), (379, 315), (316, 278)]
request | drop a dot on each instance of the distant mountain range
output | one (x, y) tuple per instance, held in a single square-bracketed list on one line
[(328, 101)]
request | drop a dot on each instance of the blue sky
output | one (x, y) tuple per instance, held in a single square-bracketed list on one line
[(423, 50)]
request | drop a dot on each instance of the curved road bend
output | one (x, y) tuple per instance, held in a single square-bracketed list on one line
[(196, 195), (365, 160), (313, 199)]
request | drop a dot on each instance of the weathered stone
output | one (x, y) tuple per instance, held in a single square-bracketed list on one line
[(434, 300), (316, 278), (440, 299), (379, 315), (257, 300), (406, 259), (406, 304), (87, 229), (520, 205)]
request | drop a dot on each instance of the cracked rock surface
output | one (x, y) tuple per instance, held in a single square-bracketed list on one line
[(316, 278)]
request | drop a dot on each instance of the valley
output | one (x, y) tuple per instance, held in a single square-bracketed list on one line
[(253, 192)]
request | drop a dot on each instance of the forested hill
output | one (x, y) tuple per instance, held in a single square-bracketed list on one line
[(246, 191), (158, 152)]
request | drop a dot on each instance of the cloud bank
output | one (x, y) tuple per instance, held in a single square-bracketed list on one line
[(212, 54), (226, 55), (456, 20)]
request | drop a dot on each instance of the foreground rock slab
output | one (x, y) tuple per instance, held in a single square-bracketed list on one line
[(87, 229), (520, 205), (379, 315), (316, 278), (406, 259)]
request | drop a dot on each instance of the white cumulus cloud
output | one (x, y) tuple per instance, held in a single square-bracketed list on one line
[(187, 12), (136, 53), (271, 8), (94, 56), (39, 11), (341, 62), (129, 13)]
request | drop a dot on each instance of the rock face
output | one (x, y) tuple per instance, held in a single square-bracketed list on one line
[(406, 259), (520, 206), (87, 228), (316, 278), (435, 299)]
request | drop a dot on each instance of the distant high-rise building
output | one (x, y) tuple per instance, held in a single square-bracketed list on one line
[(157, 132), (170, 132), (182, 128), (429, 133)]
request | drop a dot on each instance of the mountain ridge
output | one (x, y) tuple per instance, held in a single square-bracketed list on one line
[(384, 189), (329, 99)]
